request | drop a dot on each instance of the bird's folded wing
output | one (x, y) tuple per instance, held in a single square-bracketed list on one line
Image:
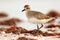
[(40, 15)]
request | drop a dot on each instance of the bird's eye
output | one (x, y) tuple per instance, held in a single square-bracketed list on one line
[(27, 8)]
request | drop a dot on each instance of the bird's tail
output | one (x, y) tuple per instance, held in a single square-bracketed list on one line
[(52, 20)]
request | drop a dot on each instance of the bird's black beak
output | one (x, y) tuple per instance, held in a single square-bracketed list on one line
[(23, 10)]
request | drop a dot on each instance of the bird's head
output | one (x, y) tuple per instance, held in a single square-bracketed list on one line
[(26, 8)]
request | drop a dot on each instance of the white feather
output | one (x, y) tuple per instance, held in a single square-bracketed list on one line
[(34, 20)]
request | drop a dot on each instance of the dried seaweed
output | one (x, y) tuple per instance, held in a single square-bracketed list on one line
[(23, 38), (53, 13)]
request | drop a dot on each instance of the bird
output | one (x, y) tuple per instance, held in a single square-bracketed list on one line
[(36, 17)]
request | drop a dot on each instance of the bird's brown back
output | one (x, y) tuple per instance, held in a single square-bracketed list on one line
[(37, 15)]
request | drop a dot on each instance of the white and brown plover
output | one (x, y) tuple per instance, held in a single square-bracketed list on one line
[(35, 16)]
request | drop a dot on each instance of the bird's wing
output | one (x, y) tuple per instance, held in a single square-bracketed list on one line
[(39, 15)]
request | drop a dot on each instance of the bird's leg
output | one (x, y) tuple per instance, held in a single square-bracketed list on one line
[(37, 31), (38, 27), (41, 26)]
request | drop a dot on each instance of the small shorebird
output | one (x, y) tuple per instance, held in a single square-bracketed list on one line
[(36, 17)]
